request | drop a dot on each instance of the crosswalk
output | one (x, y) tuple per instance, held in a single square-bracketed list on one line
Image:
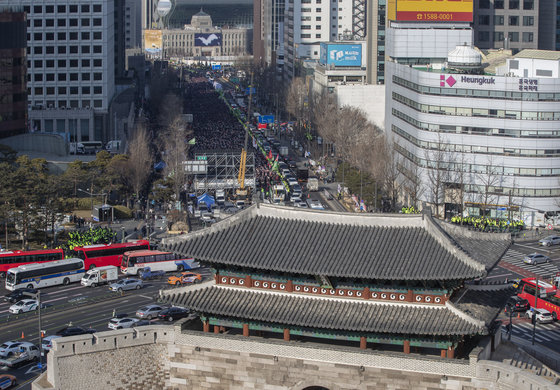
[(545, 333), (546, 270)]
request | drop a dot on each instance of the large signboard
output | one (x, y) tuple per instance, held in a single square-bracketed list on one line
[(153, 41), (207, 40), (430, 11), (341, 54)]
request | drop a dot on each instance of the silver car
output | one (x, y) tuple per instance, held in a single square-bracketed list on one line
[(126, 284), (536, 258), (149, 311), (550, 240)]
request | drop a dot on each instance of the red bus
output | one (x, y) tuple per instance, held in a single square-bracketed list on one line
[(548, 297), (106, 254), (12, 259)]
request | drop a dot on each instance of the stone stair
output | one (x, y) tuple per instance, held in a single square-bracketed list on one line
[(525, 361)]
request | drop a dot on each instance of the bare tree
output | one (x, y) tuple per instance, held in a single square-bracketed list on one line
[(170, 106), (413, 185), (175, 152), (489, 180), (140, 159), (296, 99), (386, 168), (437, 171)]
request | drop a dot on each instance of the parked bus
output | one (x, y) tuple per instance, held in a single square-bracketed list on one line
[(134, 261), (12, 259), (39, 275), (548, 297), (101, 255)]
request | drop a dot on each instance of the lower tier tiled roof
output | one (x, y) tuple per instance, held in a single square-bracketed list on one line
[(326, 313)]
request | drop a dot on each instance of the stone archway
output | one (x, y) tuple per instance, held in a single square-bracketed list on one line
[(315, 388), (319, 384)]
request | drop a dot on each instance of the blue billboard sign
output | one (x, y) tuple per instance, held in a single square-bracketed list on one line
[(338, 54), (216, 67), (250, 90), (266, 119)]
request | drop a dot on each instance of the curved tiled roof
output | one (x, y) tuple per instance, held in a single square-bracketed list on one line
[(325, 313), (338, 245)]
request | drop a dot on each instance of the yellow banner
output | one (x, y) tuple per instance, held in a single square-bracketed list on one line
[(153, 41), (430, 10)]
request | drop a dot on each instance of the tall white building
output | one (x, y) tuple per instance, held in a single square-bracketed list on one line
[(70, 65), (307, 23)]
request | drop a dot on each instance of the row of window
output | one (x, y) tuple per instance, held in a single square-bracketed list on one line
[(516, 133), (97, 90), (61, 9), (475, 169), (85, 76), (512, 4), (303, 36), (84, 49), (484, 20), (477, 112), (61, 36), (461, 148), (477, 93), (72, 63), (97, 103), (72, 22), (513, 36), (309, 10)]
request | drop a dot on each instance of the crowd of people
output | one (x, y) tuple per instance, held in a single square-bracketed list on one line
[(488, 224)]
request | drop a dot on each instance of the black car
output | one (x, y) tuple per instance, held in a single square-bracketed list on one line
[(517, 304), (173, 313), (74, 331), (17, 295)]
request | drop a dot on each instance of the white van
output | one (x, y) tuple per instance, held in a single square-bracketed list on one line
[(113, 146), (77, 148)]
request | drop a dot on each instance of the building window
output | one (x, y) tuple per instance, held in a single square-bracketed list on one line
[(528, 4), (50, 76), (97, 62), (73, 22), (37, 22), (38, 90), (50, 50), (527, 37), (37, 9), (85, 22), (513, 21), (61, 9), (73, 90), (317, 35), (97, 90), (97, 22), (498, 36), (85, 49), (97, 49), (484, 20), (317, 18), (318, 10), (38, 76), (97, 35), (85, 36), (85, 63), (62, 77), (73, 8), (49, 9), (306, 27), (73, 63), (499, 4), (498, 20), (98, 76), (49, 63), (50, 90), (37, 36), (513, 36), (483, 36), (513, 4), (37, 50), (73, 49), (37, 64), (85, 7), (61, 36), (73, 77), (61, 22), (85, 76), (74, 36), (305, 36), (62, 90), (62, 63), (318, 27), (85, 91), (97, 8), (528, 20), (49, 23), (49, 36)]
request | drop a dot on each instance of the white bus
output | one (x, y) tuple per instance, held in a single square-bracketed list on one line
[(52, 273), (134, 261)]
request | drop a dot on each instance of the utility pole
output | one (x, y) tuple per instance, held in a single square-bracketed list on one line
[(37, 296), (534, 316)]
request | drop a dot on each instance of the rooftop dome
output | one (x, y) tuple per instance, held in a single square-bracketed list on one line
[(464, 55)]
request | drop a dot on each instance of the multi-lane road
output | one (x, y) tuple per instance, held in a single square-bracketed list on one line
[(76, 305)]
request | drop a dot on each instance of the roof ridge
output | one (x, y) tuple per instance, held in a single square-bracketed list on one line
[(464, 315), (449, 243)]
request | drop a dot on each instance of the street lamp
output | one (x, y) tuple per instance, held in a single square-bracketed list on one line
[(37, 296)]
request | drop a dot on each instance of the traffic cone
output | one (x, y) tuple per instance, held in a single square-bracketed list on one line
[(22, 335)]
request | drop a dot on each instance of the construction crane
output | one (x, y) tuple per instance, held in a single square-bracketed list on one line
[(242, 191)]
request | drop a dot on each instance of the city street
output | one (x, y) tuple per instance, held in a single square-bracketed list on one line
[(75, 304)]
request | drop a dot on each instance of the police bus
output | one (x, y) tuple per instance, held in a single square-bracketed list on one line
[(39, 275)]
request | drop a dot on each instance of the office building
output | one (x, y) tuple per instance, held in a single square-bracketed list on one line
[(70, 64), (268, 33), (13, 92)]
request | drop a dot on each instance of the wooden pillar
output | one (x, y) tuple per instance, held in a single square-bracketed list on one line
[(406, 346), (206, 326), (363, 342), (246, 330), (216, 329), (217, 278), (286, 334), (289, 286), (443, 353), (451, 352), (248, 281), (366, 293), (409, 296)]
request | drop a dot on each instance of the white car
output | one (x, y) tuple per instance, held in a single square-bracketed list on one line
[(315, 204), (9, 347), (24, 305), (543, 315), (121, 323), (550, 240), (292, 181)]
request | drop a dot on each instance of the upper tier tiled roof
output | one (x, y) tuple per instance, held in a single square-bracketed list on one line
[(326, 312), (280, 239)]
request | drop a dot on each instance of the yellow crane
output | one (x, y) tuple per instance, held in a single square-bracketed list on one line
[(242, 191)]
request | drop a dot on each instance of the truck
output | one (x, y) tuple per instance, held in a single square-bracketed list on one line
[(278, 193), (220, 197), (146, 273), (313, 184), (28, 352), (100, 275), (302, 174)]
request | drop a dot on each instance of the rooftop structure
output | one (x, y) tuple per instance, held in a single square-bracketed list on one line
[(383, 279)]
